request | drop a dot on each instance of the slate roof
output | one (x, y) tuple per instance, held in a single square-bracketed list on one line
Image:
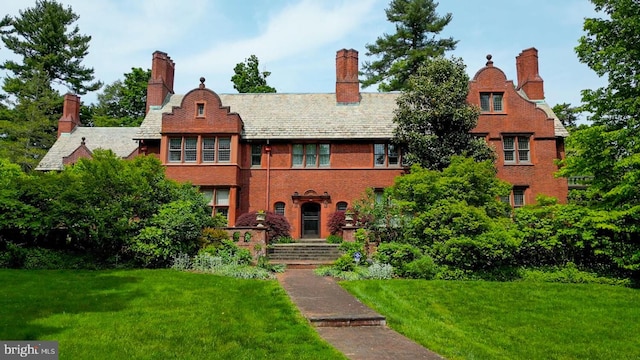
[(118, 139), (560, 130), (298, 116)]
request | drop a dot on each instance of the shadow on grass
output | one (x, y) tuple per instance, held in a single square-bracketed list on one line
[(30, 295)]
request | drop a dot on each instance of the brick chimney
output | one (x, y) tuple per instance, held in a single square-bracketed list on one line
[(347, 84), (528, 78), (161, 81), (70, 118)]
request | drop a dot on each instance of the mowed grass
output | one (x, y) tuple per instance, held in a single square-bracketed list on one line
[(155, 314), (517, 320)]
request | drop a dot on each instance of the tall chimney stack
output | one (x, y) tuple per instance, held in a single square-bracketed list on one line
[(70, 118), (161, 81), (347, 84), (528, 78)]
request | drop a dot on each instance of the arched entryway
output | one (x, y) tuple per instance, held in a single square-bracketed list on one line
[(310, 220)]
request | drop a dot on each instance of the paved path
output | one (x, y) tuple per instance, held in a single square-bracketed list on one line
[(346, 323)]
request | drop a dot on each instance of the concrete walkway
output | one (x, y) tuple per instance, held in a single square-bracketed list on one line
[(346, 323)]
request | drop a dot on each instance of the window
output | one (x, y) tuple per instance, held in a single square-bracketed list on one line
[(190, 149), (378, 195), (341, 206), (224, 149), (386, 155), (208, 149), (516, 149), (217, 199), (185, 149), (221, 203), (175, 149), (311, 155), (200, 110), (491, 102), (187, 146), (516, 198), (256, 154), (279, 208)]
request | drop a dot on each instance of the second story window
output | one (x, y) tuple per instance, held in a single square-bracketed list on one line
[(491, 102), (202, 149), (311, 155), (516, 149), (386, 155), (256, 154), (224, 149)]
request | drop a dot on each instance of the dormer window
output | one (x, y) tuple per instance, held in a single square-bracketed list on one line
[(199, 109), (491, 102)]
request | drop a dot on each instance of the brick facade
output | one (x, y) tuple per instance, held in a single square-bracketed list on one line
[(305, 154)]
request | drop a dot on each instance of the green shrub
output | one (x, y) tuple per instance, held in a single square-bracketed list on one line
[(12, 256), (345, 263), (48, 259), (229, 253), (214, 237), (397, 255), (569, 274), (334, 239), (421, 268)]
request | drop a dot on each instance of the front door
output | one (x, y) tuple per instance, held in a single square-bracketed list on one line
[(311, 220)]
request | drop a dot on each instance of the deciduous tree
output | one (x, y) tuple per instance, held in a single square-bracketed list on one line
[(399, 55), (123, 103), (249, 79), (610, 150)]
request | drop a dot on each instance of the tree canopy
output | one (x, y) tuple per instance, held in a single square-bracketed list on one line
[(249, 79), (434, 119), (123, 103), (399, 55), (49, 51), (567, 114), (48, 42), (609, 151)]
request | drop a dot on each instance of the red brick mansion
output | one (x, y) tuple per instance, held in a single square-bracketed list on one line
[(307, 155)]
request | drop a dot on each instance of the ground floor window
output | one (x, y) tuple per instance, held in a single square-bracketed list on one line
[(279, 208), (516, 198), (217, 199)]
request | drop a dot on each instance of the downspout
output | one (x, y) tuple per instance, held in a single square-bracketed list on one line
[(267, 150)]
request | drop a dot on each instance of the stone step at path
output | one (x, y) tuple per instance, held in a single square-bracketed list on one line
[(313, 251), (346, 323)]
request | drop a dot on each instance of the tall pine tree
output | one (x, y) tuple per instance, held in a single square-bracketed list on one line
[(400, 55)]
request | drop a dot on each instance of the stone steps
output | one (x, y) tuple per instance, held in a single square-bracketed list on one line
[(314, 252)]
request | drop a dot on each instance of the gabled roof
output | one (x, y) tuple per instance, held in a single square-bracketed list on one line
[(118, 139), (297, 116)]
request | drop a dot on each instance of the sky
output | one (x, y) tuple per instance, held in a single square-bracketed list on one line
[(297, 40)]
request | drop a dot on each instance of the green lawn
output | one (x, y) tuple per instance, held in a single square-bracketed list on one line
[(155, 314), (517, 320)]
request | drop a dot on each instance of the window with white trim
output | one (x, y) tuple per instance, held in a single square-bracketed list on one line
[(221, 203), (516, 149), (311, 155), (491, 102), (200, 110), (386, 155)]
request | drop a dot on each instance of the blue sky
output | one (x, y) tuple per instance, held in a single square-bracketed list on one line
[(297, 39)]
